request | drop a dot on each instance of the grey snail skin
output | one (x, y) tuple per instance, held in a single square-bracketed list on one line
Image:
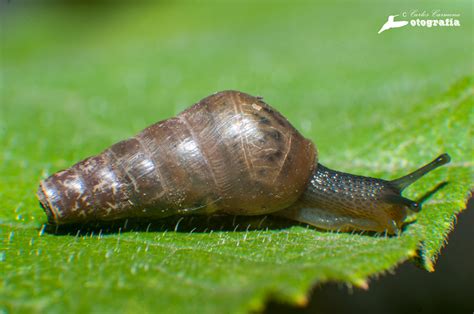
[(230, 153)]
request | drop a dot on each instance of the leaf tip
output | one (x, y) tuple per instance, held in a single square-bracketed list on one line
[(361, 283), (301, 300), (428, 265)]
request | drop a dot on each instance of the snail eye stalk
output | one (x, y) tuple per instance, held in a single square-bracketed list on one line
[(401, 183)]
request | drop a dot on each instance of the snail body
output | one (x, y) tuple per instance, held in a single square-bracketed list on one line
[(230, 153)]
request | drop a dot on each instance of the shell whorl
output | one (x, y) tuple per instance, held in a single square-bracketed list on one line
[(229, 153)]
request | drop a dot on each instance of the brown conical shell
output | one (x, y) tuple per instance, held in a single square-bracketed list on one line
[(229, 153)]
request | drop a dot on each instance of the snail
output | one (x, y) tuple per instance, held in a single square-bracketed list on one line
[(230, 153)]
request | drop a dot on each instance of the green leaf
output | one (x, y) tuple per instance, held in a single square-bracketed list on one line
[(74, 82)]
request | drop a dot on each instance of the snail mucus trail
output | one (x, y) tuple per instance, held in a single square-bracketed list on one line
[(230, 153)]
